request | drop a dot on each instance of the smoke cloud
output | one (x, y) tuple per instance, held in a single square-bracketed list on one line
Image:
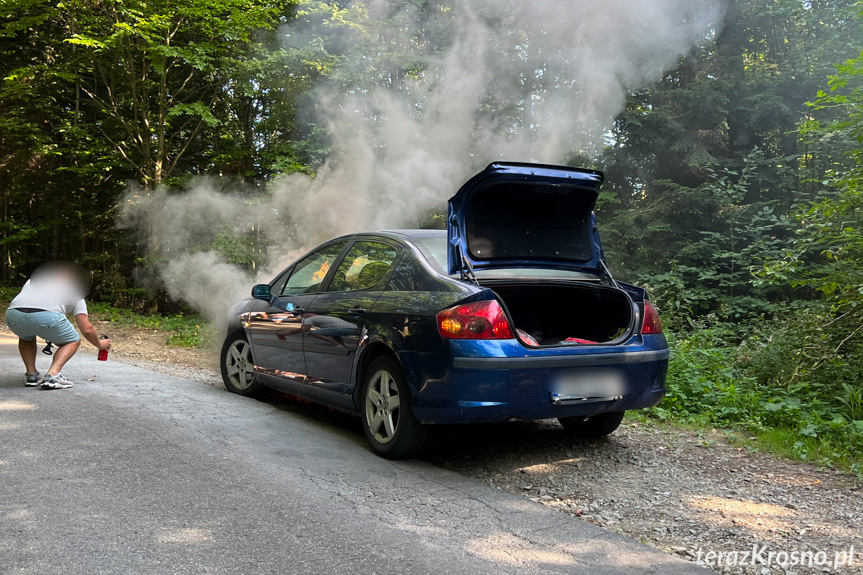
[(492, 80)]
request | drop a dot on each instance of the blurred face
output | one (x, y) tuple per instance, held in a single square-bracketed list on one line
[(60, 282)]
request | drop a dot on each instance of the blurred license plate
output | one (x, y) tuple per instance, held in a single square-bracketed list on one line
[(585, 385)]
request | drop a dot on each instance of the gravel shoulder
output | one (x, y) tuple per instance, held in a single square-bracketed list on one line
[(672, 489), (148, 349), (675, 489)]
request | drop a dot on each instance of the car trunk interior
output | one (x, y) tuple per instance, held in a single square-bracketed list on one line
[(554, 312)]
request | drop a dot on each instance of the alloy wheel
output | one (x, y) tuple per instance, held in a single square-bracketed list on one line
[(383, 406), (239, 364)]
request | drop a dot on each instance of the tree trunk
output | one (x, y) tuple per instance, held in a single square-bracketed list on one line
[(7, 254), (153, 250)]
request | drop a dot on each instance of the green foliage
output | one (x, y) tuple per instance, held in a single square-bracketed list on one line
[(707, 168), (434, 222), (738, 204), (94, 95), (824, 451), (6, 295), (237, 250), (852, 398), (718, 379), (820, 347), (179, 62), (184, 330), (704, 382), (712, 271)]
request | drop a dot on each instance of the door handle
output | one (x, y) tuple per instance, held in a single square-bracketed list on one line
[(357, 311)]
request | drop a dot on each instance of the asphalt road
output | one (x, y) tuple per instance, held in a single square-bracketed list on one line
[(138, 473)]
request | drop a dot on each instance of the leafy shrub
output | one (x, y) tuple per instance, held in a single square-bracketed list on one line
[(777, 379)]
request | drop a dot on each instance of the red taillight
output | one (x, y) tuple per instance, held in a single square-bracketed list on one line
[(477, 320), (651, 323)]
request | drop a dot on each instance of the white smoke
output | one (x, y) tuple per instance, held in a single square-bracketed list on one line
[(495, 80)]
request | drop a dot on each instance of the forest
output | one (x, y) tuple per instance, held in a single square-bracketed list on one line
[(734, 176)]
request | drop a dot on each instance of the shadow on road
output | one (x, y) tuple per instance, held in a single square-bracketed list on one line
[(522, 443)]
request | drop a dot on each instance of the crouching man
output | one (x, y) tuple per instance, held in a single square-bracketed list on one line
[(55, 290)]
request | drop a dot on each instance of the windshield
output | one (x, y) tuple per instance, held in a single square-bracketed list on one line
[(434, 250)]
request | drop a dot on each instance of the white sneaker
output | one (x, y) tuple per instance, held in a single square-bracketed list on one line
[(56, 382)]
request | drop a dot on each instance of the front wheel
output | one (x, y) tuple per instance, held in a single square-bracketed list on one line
[(388, 420), (238, 367), (592, 427)]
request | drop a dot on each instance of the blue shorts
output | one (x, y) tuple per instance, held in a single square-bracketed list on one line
[(49, 325)]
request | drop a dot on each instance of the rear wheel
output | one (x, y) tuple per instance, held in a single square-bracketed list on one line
[(592, 427), (238, 367), (388, 420)]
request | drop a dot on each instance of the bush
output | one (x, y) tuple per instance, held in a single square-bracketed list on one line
[(776, 379)]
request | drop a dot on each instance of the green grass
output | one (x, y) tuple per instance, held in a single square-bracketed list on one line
[(787, 443), (715, 384), (823, 452), (184, 330)]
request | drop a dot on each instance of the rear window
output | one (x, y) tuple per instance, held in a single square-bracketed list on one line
[(434, 250)]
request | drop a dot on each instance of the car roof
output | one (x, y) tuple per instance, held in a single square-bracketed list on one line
[(397, 235), (409, 233)]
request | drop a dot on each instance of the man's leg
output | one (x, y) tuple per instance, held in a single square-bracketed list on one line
[(63, 354), (27, 349)]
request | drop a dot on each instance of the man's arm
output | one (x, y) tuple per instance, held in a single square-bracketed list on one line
[(89, 332)]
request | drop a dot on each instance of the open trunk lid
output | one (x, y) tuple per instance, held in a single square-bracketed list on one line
[(514, 215)]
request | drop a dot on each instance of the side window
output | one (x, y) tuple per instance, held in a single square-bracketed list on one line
[(310, 272), (365, 266), (279, 283)]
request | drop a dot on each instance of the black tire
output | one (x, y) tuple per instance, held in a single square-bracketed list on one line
[(238, 368), (385, 409), (592, 427)]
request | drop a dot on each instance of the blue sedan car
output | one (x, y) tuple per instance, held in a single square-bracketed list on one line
[(510, 314)]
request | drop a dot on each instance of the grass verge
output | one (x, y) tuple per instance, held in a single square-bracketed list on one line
[(183, 330), (714, 384)]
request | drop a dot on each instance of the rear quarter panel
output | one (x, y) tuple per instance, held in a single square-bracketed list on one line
[(404, 318)]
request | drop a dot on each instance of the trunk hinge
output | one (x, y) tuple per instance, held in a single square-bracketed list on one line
[(465, 269), (608, 273)]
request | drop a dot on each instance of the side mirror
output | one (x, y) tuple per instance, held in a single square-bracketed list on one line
[(261, 291)]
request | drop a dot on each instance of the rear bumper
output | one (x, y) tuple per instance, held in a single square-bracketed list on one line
[(546, 362), (499, 382)]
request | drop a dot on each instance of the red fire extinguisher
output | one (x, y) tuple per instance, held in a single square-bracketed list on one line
[(103, 353)]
